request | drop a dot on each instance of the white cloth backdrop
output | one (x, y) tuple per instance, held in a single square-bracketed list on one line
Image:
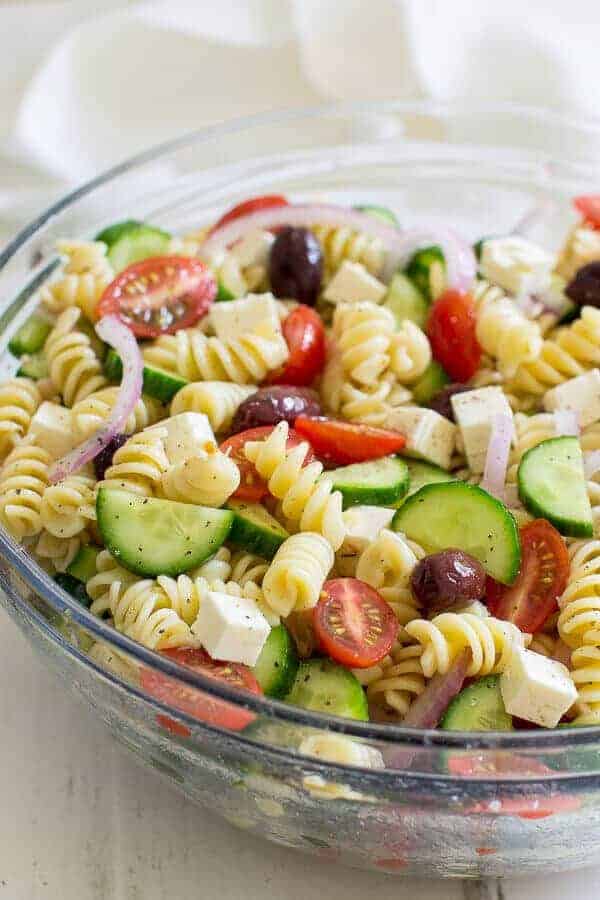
[(81, 88)]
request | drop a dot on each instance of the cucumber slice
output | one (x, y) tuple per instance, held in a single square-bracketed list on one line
[(74, 587), (231, 284), (478, 246), (113, 233), (478, 707), (406, 301), (324, 686), (31, 336), (455, 514), (380, 212), (138, 243), (254, 529), (158, 537), (277, 664), (552, 485), (425, 268), (158, 383), (375, 483), (83, 566), (433, 379), (422, 473), (34, 366)]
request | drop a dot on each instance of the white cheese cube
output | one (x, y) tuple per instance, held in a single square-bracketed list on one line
[(475, 412), (187, 433), (240, 317), (517, 265), (536, 688), (429, 436), (51, 429), (253, 249), (338, 748), (363, 524), (352, 283), (231, 628), (580, 394)]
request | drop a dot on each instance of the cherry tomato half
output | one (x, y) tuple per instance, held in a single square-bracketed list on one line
[(541, 580), (589, 207), (353, 623), (344, 442), (195, 703), (304, 333), (247, 207), (252, 487), (451, 330), (160, 295)]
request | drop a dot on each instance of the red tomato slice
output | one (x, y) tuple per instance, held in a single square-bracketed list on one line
[(451, 330), (160, 295), (353, 623), (344, 442), (541, 580), (589, 207), (195, 703), (252, 487), (304, 333), (255, 204)]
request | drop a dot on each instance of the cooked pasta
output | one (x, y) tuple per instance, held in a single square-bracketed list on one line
[(307, 496), (410, 352), (139, 465), (582, 247), (57, 553), (503, 330), (86, 275), (398, 681), (216, 568), (19, 399), (363, 334), (580, 602), (74, 367), (372, 406), (208, 478), (297, 573), (108, 583), (529, 432), (23, 480), (68, 507), (143, 612), (542, 643), (387, 565), (248, 567), (340, 244), (88, 415), (218, 400)]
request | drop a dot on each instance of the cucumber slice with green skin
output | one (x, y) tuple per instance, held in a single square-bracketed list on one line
[(83, 566), (379, 482), (158, 537), (323, 686), (405, 301), (74, 587), (113, 233), (254, 529), (455, 514), (422, 473), (478, 246), (419, 268), (277, 664), (31, 336), (433, 379), (552, 485), (34, 366), (380, 212), (136, 244), (478, 707), (158, 383)]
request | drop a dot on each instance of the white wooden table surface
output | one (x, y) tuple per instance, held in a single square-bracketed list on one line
[(81, 820)]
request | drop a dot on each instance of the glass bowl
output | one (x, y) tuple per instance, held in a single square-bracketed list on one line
[(445, 804)]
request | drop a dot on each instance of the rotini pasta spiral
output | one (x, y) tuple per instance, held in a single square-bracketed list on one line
[(23, 480), (373, 405), (73, 365), (442, 639), (207, 478), (19, 400), (340, 244), (297, 573), (248, 567), (143, 612), (529, 432), (108, 583), (83, 280), (88, 415), (582, 247), (386, 565), (216, 567), (363, 334), (410, 352), (585, 672), (244, 360), (307, 497), (56, 553), (502, 329), (580, 602), (218, 400), (68, 507), (399, 680), (139, 464)]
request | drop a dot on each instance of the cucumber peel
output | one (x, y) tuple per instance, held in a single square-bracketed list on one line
[(157, 383), (478, 707), (255, 529), (277, 664), (324, 686), (379, 482)]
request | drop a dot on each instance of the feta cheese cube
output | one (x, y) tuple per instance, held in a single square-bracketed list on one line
[(475, 412), (231, 628), (429, 435), (240, 317), (363, 524), (580, 394), (253, 249), (536, 688), (187, 433), (517, 265), (51, 429), (352, 283)]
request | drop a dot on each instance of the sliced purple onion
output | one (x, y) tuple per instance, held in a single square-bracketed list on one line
[(430, 706), (111, 330), (461, 264), (496, 461), (566, 423)]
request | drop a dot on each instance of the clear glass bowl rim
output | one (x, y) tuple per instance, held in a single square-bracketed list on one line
[(63, 604)]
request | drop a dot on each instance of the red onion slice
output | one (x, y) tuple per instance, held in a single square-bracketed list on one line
[(566, 423), (461, 264), (498, 452), (112, 330), (430, 706)]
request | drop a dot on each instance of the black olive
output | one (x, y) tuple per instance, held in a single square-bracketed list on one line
[(447, 579), (296, 265), (270, 405), (104, 459), (584, 288), (441, 402)]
